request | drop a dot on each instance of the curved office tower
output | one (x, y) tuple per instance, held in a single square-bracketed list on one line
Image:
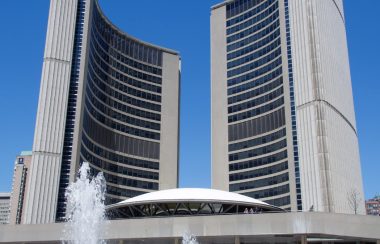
[(283, 124), (106, 98)]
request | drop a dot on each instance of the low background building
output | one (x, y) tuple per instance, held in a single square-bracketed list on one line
[(4, 207), (19, 186), (372, 206)]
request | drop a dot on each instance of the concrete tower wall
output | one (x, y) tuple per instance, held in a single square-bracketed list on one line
[(127, 123), (252, 142), (329, 152), (106, 98), (219, 131), (51, 115), (169, 143), (318, 119)]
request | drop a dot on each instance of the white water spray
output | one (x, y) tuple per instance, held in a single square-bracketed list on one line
[(188, 238), (85, 205)]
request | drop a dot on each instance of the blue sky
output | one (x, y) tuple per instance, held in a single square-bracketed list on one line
[(183, 26)]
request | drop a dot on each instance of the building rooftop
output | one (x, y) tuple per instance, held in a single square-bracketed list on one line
[(5, 195), (116, 28), (218, 5), (26, 153)]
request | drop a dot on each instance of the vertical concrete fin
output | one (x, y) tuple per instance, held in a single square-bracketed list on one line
[(43, 180)]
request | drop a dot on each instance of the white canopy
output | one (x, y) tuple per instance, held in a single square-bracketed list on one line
[(191, 195)]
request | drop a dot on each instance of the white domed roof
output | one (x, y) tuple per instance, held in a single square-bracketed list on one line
[(190, 195)]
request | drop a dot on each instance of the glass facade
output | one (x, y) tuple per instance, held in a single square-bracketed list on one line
[(71, 110), (122, 110), (108, 99), (293, 107), (257, 135)]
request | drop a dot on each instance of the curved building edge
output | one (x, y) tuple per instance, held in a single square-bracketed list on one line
[(252, 142), (321, 149), (94, 86), (132, 37)]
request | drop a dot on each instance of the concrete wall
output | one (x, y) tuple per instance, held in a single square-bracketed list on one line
[(75, 157), (43, 182), (219, 109), (41, 202), (288, 112), (329, 153), (169, 144), (219, 123), (273, 227)]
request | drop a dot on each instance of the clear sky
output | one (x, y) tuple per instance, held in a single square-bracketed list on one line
[(183, 26)]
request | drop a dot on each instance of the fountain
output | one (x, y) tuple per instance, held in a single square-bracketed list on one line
[(86, 210), (85, 205), (188, 238)]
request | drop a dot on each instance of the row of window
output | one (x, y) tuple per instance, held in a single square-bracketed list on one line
[(119, 126), (259, 172), (257, 126), (292, 107), (64, 177), (256, 45), (271, 192), (116, 65), (103, 71), (255, 102), (257, 36), (122, 57), (260, 183), (129, 80), (257, 151), (113, 87), (130, 47), (110, 100), (117, 142), (255, 64), (237, 7), (254, 83), (104, 165), (257, 141), (259, 161), (119, 116), (114, 80), (254, 55), (127, 193), (269, 16), (130, 182), (247, 22), (114, 157), (251, 75), (257, 111), (21, 195), (282, 201)]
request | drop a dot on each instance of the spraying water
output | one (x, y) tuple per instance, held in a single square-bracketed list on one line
[(188, 238), (85, 205)]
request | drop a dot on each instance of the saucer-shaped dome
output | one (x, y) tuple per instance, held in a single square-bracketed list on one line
[(188, 201)]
